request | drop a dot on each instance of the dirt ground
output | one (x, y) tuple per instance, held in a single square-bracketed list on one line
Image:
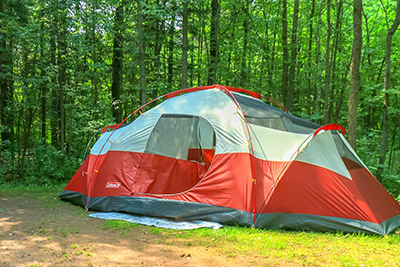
[(36, 232)]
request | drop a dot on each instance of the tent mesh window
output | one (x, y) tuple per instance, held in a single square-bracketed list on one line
[(262, 114), (183, 137)]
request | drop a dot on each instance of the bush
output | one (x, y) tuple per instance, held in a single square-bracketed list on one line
[(43, 165)]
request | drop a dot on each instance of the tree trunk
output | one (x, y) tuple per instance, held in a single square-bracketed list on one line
[(6, 84), (293, 57), (214, 44), (117, 62), (327, 64), (199, 55), (158, 44), (334, 75), (367, 49), (171, 45), (243, 72), (317, 77), (386, 87), (184, 44), (55, 109), (355, 81), (43, 84), (61, 53), (285, 59), (94, 74), (342, 87), (310, 72), (143, 99)]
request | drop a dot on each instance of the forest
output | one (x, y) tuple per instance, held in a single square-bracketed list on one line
[(69, 68)]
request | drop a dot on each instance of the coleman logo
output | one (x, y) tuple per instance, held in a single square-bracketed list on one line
[(113, 185)]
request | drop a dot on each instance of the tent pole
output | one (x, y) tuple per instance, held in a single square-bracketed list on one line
[(253, 160)]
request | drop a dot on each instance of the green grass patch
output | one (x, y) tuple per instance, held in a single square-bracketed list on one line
[(284, 247), (290, 247), (32, 191), (120, 225)]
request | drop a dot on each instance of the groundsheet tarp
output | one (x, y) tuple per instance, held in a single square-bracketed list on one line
[(157, 222)]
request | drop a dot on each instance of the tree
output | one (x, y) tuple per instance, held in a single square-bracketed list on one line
[(244, 68), (327, 63), (386, 87), (171, 44), (117, 62), (184, 43), (285, 58), (310, 47), (61, 55), (293, 56), (214, 44), (355, 80), (7, 24), (141, 55)]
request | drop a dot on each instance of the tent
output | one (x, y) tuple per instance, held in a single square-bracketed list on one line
[(221, 154)]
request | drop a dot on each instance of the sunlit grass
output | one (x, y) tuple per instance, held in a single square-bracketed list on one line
[(285, 247), (119, 225)]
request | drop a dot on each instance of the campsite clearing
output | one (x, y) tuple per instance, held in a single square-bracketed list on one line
[(37, 230)]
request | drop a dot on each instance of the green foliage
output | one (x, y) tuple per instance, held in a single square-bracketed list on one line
[(44, 166), (50, 166), (35, 32)]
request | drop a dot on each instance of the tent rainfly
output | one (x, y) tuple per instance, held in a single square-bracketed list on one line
[(220, 154)]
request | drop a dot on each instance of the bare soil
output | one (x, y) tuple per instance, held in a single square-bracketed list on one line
[(48, 232)]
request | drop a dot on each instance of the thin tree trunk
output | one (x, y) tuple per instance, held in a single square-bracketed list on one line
[(214, 44), (386, 87), (199, 56), (327, 63), (355, 81), (293, 57), (55, 109), (317, 79), (143, 97), (392, 153), (6, 84), (117, 62), (285, 59), (159, 29), (341, 97), (43, 85), (185, 44), (272, 69), (366, 50), (309, 65), (229, 78), (243, 71), (61, 53), (266, 53), (94, 74), (171, 45), (336, 40)]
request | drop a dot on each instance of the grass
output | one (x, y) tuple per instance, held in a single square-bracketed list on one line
[(294, 248), (32, 191)]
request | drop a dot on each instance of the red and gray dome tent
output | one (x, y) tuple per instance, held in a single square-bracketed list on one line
[(217, 154)]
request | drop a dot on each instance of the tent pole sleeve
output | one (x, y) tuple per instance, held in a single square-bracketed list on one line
[(253, 160)]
